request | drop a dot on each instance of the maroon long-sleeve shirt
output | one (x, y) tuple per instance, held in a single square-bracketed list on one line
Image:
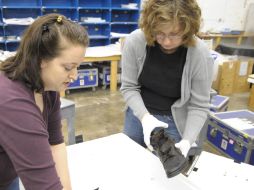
[(26, 135)]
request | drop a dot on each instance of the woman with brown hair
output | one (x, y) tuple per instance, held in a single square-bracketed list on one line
[(31, 143), (166, 74)]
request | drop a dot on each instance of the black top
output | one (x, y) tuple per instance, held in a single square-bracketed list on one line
[(160, 78)]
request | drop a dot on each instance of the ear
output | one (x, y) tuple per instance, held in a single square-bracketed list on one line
[(44, 64)]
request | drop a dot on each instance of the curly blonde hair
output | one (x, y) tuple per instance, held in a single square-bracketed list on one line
[(186, 13)]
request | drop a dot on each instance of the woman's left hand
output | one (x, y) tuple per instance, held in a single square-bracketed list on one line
[(184, 146)]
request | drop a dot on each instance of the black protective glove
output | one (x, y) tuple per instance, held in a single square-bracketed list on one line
[(171, 157)]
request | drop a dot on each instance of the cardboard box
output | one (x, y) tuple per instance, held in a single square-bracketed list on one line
[(251, 99), (226, 83), (232, 77), (243, 70)]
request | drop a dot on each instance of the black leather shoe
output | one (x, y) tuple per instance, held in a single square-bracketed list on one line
[(171, 157)]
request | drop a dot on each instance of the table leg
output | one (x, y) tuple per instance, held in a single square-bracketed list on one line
[(217, 42), (113, 76), (239, 40), (71, 130), (68, 113)]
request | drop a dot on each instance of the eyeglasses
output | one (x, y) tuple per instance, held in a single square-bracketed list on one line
[(162, 37)]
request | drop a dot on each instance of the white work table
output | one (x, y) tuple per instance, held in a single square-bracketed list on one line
[(217, 172), (118, 163)]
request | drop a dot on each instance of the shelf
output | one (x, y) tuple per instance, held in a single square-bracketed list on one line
[(92, 23), (123, 9), (19, 3), (59, 3), (123, 23), (94, 3), (99, 17), (57, 7), (69, 13), (20, 13), (100, 14), (99, 42), (100, 8), (98, 37), (21, 7)]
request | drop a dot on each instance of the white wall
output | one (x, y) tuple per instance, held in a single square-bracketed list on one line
[(220, 14)]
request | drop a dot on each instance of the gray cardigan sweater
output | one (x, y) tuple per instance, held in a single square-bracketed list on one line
[(190, 111)]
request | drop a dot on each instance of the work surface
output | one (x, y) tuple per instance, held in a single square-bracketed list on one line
[(118, 163), (216, 172)]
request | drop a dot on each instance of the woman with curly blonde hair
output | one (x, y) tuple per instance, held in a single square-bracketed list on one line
[(166, 74)]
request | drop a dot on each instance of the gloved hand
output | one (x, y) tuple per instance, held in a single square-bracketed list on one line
[(149, 123), (184, 146)]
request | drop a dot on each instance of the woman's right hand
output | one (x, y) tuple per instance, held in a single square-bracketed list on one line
[(149, 123)]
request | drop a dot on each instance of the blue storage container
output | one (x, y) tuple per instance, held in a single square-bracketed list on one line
[(219, 103), (232, 133), (104, 73), (86, 78)]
